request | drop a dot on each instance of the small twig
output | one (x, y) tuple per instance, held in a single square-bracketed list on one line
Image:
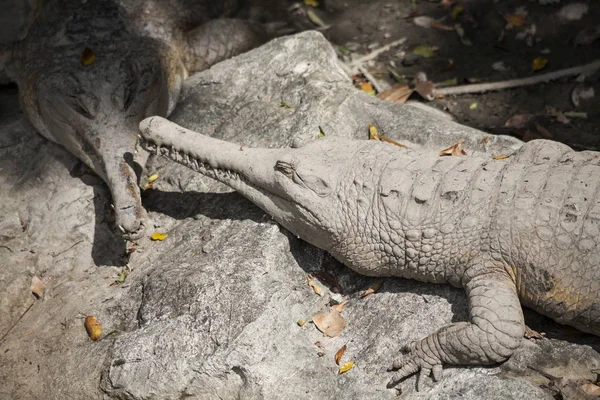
[(67, 249), (16, 322), (379, 86), (512, 83), (375, 53)]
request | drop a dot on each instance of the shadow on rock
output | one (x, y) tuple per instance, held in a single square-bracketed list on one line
[(109, 247), (180, 206)]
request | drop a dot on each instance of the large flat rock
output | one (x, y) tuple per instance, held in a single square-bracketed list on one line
[(211, 312)]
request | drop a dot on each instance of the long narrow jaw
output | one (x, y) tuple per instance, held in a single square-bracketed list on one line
[(249, 171)]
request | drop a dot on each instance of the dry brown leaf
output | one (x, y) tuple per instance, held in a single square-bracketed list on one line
[(37, 287), (425, 90), (391, 141), (339, 354), (590, 389), (339, 307), (435, 24), (519, 121), (330, 323), (454, 150), (315, 286), (93, 327), (347, 366), (372, 289), (501, 157), (329, 280), (545, 133), (398, 93), (515, 20), (531, 334)]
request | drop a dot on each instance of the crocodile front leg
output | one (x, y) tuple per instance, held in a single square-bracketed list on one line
[(495, 330)]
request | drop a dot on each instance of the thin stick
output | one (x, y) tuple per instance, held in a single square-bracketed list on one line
[(379, 86), (532, 80), (375, 53), (16, 322)]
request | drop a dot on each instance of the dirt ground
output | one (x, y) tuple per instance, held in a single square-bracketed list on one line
[(500, 41), (562, 35)]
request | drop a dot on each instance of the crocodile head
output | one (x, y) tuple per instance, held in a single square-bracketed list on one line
[(302, 189), (94, 110)]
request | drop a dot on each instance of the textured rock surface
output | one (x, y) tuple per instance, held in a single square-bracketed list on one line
[(211, 311)]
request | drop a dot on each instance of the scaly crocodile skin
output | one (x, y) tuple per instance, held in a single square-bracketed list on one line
[(519, 230), (90, 71)]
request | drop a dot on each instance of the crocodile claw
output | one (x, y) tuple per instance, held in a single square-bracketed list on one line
[(410, 363)]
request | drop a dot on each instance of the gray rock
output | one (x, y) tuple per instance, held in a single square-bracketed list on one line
[(212, 311)]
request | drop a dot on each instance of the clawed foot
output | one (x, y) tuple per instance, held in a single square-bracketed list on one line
[(415, 360)]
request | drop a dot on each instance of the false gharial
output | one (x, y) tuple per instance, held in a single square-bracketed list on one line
[(524, 230), (89, 71)]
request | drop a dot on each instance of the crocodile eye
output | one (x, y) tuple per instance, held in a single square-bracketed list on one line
[(86, 104), (64, 93), (128, 83), (285, 168)]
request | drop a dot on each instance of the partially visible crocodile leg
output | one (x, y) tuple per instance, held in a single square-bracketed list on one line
[(495, 330), (221, 39), (122, 181)]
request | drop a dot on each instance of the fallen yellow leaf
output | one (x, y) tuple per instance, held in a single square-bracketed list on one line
[(331, 323), (373, 134), (372, 289), (339, 354), (454, 150), (312, 3), (93, 327), (150, 183), (347, 366), (502, 157), (424, 51), (457, 10), (539, 63), (367, 87), (159, 236), (152, 178), (87, 56)]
